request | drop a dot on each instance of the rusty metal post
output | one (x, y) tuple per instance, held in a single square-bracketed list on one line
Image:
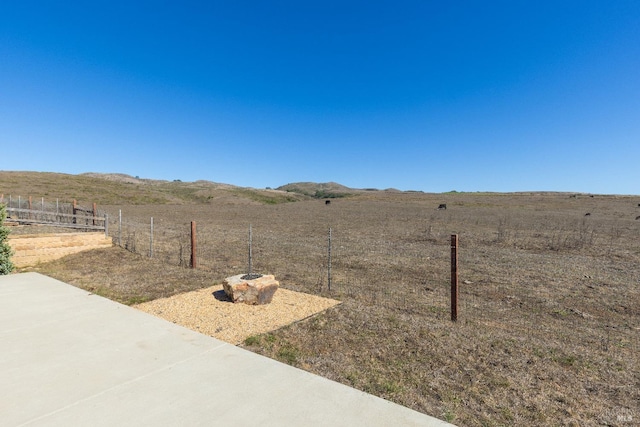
[(329, 262), (95, 213), (454, 277), (29, 207), (249, 273), (193, 244), (151, 240)]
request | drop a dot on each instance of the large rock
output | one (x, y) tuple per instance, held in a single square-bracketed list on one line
[(254, 291)]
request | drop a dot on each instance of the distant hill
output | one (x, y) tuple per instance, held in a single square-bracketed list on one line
[(114, 189), (122, 189), (319, 190), (116, 177)]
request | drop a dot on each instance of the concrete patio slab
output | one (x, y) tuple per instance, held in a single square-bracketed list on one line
[(68, 357)]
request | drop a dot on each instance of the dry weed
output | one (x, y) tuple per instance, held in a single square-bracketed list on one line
[(550, 304)]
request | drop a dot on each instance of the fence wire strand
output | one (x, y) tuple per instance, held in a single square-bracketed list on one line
[(407, 271)]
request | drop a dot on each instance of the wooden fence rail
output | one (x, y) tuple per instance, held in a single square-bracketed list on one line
[(55, 219)]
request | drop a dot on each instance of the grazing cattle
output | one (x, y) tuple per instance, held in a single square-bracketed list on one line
[(639, 205), (442, 206), (638, 217), (327, 202), (587, 214)]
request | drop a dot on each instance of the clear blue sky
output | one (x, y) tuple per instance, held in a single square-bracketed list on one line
[(415, 95)]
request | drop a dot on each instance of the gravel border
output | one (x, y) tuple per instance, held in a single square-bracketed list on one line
[(210, 312)]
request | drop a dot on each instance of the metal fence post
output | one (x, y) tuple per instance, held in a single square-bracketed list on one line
[(120, 227), (193, 244), (454, 277), (250, 275), (250, 253), (329, 262), (106, 225), (151, 240)]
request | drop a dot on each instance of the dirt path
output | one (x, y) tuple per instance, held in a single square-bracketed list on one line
[(208, 311)]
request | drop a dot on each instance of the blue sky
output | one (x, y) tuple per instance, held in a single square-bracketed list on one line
[(415, 95)]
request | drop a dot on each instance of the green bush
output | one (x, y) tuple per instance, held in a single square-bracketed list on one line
[(6, 266), (323, 194)]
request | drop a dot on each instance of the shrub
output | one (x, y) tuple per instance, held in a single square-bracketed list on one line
[(323, 194), (6, 266)]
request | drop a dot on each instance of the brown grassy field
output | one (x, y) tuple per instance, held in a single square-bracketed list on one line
[(548, 330)]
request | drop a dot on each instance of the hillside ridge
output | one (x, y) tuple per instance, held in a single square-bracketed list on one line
[(117, 188)]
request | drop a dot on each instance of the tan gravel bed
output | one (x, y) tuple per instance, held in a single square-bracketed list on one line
[(208, 311)]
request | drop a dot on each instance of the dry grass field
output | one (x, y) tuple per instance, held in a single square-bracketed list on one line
[(549, 321)]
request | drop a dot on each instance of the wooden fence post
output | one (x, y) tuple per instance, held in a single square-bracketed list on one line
[(193, 244), (454, 277), (95, 213), (75, 208), (151, 240)]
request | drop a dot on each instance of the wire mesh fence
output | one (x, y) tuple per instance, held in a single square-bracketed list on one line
[(403, 275), (510, 276), (303, 261)]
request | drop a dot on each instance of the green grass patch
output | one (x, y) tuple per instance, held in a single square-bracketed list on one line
[(267, 198), (288, 354), (252, 340)]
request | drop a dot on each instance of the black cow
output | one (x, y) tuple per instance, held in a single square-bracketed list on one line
[(443, 206), (327, 202), (587, 214)]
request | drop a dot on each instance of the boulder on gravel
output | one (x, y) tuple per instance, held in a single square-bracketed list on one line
[(251, 291)]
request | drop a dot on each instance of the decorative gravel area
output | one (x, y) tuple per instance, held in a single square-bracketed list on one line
[(210, 312)]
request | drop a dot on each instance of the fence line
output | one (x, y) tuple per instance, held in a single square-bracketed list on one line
[(66, 215), (408, 277), (404, 276)]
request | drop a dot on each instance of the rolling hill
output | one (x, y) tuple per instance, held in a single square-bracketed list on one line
[(111, 189)]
